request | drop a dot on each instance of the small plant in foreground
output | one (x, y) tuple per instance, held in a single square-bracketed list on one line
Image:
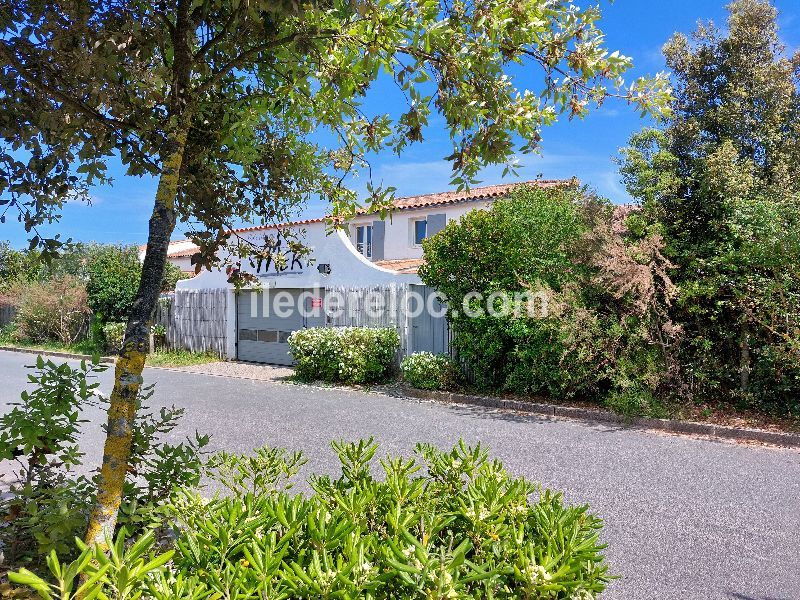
[(428, 371), (445, 524), (47, 502)]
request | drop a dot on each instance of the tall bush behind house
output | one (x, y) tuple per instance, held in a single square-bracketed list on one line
[(526, 243), (113, 280), (599, 288), (720, 180), (114, 273)]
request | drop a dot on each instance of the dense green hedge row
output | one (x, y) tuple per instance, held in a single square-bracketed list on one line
[(441, 525)]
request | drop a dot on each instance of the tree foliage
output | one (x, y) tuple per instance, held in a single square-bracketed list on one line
[(242, 109), (720, 180), (551, 292), (114, 273), (248, 82)]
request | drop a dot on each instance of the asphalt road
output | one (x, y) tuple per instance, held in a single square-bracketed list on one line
[(685, 518)]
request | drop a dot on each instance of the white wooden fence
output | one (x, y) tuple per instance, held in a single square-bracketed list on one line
[(195, 320)]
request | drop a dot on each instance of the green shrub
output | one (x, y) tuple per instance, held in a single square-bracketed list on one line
[(54, 310), (114, 334), (47, 503), (428, 371), (46, 508), (172, 275), (451, 525), (114, 273), (635, 401), (344, 354), (590, 298), (527, 240)]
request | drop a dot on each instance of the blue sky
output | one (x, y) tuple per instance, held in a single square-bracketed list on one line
[(582, 148)]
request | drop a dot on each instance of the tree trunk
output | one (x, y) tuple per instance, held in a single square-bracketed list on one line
[(130, 364)]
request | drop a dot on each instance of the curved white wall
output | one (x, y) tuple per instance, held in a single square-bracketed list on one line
[(348, 267)]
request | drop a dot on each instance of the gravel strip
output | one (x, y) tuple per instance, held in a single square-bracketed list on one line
[(242, 370)]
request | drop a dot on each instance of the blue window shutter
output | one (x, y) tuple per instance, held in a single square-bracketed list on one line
[(378, 236), (436, 223)]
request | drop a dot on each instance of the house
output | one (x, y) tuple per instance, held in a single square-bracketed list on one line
[(343, 268), (396, 242), (179, 253)]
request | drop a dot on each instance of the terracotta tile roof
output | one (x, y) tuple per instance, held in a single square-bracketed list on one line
[(182, 253), (476, 193), (437, 199), (408, 202), (402, 265), (280, 225)]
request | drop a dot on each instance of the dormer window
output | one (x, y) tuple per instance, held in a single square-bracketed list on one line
[(364, 240)]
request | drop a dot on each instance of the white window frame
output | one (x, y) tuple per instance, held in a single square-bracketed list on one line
[(364, 245)]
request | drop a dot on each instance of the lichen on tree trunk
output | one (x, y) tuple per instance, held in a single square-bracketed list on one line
[(130, 364)]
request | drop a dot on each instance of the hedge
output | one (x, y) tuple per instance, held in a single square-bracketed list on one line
[(346, 354)]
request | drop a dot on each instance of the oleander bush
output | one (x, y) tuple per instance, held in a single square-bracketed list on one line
[(440, 525), (47, 500), (344, 354), (428, 371)]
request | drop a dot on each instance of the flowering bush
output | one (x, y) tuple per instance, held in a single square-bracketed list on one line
[(114, 334), (428, 371), (442, 525), (346, 354)]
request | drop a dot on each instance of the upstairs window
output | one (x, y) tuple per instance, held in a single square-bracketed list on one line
[(364, 240), (420, 231)]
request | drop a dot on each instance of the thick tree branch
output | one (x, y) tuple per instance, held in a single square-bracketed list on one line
[(214, 40), (217, 76)]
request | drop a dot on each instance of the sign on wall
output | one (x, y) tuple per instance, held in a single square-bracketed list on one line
[(282, 260)]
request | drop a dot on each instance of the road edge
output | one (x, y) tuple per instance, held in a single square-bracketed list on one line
[(721, 432), (57, 353)]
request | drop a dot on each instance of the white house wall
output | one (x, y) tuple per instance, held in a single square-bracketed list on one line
[(184, 263), (347, 268), (398, 235)]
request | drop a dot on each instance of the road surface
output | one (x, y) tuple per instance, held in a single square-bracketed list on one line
[(685, 518)]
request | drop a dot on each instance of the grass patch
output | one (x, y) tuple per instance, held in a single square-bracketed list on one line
[(179, 358), (86, 346)]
